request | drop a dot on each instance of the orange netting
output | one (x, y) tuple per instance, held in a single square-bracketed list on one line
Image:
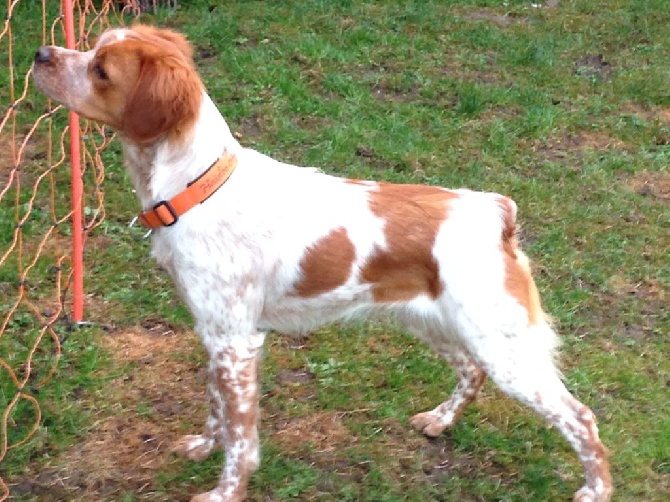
[(36, 265)]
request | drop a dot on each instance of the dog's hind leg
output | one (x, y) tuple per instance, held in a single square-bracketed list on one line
[(522, 366), (471, 378)]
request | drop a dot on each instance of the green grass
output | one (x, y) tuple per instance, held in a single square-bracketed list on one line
[(484, 94)]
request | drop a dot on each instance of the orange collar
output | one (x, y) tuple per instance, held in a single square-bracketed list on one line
[(167, 212)]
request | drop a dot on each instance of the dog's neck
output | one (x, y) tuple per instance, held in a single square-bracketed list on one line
[(163, 168)]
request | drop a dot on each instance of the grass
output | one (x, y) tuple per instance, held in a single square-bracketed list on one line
[(567, 110)]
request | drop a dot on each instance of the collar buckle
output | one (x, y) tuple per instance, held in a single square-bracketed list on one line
[(166, 213)]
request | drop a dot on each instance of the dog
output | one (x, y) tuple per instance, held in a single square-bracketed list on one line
[(254, 244)]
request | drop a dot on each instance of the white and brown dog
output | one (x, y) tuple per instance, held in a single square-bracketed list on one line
[(254, 244)]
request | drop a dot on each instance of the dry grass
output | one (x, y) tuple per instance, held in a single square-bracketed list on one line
[(143, 413)]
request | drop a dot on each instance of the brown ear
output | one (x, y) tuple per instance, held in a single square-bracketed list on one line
[(177, 39), (164, 101)]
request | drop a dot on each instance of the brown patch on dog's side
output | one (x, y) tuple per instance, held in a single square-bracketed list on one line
[(406, 268), (327, 264)]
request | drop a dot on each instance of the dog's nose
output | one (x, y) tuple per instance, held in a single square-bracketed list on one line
[(43, 55)]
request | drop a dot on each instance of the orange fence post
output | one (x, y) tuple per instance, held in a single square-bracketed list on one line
[(77, 188)]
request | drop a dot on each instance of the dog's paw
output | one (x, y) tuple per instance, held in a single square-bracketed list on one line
[(208, 497), (215, 496), (428, 423), (194, 447), (584, 494), (212, 496), (588, 494)]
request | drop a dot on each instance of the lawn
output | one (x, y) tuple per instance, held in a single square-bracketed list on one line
[(565, 108)]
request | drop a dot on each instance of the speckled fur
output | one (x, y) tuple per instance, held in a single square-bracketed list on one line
[(285, 248)]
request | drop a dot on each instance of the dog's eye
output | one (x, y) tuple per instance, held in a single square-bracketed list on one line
[(100, 72)]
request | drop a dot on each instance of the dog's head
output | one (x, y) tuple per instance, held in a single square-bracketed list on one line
[(141, 81)]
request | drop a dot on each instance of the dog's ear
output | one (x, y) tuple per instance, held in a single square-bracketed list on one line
[(177, 39), (165, 100)]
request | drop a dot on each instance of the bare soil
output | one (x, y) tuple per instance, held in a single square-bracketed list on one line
[(143, 414), (653, 184)]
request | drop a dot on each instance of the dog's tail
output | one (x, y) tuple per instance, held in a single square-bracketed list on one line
[(519, 280)]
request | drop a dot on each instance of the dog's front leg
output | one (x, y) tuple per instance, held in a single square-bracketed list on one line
[(234, 374)]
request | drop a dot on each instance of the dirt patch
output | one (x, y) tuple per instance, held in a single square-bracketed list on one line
[(250, 127), (441, 462), (657, 117), (323, 431), (143, 414), (376, 160), (636, 110), (593, 141), (651, 114), (122, 454), (153, 338), (310, 122), (647, 289), (388, 91), (206, 55), (567, 147), (295, 376), (653, 297), (490, 16), (593, 67), (164, 381), (367, 153), (13, 148), (13, 153), (651, 184)]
